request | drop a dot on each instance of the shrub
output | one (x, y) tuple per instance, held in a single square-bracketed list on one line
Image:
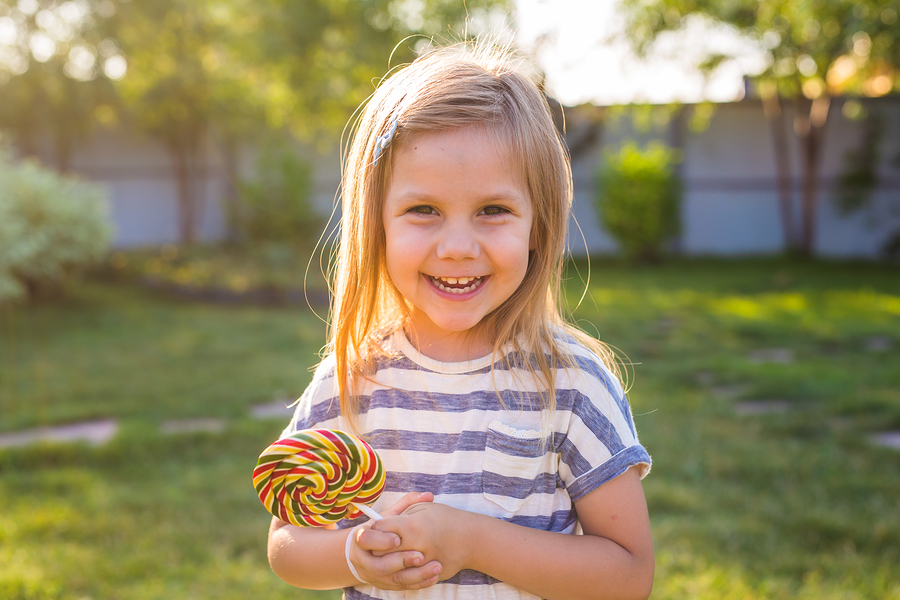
[(51, 227), (639, 199), (276, 205)]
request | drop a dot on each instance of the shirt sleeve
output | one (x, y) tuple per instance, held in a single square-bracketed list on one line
[(319, 407), (601, 442)]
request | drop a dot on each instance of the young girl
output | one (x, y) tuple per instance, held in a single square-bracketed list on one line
[(513, 465)]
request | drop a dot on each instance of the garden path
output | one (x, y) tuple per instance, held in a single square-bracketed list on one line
[(97, 433)]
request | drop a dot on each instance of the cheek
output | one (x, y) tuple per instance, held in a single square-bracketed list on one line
[(402, 257)]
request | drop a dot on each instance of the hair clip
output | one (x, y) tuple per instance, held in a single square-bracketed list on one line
[(383, 141)]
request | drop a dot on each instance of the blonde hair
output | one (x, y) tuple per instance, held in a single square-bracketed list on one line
[(465, 85)]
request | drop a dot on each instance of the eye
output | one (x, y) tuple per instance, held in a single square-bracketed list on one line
[(494, 210), (422, 210)]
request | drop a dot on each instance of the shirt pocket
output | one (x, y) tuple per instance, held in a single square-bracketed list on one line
[(513, 465)]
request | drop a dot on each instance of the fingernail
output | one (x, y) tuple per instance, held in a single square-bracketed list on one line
[(396, 541), (417, 562)]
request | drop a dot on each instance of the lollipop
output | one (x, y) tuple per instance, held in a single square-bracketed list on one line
[(317, 477)]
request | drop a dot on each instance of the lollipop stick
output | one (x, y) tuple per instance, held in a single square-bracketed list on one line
[(369, 512)]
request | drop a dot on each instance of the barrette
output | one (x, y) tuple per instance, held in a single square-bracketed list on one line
[(383, 141)]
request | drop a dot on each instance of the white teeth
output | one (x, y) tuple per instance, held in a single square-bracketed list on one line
[(439, 281)]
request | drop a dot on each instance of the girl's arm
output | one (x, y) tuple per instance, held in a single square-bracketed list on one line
[(613, 559), (314, 557)]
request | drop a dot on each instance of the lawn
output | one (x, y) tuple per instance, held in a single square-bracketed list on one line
[(756, 385)]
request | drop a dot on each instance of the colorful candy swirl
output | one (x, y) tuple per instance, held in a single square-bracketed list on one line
[(312, 477)]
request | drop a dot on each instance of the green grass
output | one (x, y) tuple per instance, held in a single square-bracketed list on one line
[(119, 351), (232, 269), (789, 505)]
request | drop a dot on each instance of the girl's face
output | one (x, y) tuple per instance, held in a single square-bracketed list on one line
[(457, 226)]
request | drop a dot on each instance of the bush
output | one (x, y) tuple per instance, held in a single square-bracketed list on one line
[(639, 199), (276, 205), (51, 227)]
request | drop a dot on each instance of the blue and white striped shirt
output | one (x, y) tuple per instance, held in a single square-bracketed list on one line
[(441, 428)]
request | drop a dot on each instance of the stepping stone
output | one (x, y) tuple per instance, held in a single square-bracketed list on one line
[(705, 378), (782, 356), (878, 344), (278, 409), (762, 407), (888, 439), (192, 426), (94, 433), (665, 325), (729, 391)]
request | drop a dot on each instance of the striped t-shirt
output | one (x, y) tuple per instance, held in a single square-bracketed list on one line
[(441, 428)]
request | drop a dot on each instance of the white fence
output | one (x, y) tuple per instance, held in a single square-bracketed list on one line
[(730, 202)]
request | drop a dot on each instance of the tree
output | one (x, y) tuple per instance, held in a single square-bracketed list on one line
[(56, 69), (815, 49), (190, 71), (227, 70)]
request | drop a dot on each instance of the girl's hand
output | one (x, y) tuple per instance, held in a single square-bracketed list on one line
[(379, 561), (437, 531)]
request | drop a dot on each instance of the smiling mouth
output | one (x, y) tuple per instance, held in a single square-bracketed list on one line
[(457, 285)]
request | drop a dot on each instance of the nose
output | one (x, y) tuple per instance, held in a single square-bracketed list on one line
[(457, 241)]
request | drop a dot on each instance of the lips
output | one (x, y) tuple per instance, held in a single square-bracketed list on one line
[(457, 285)]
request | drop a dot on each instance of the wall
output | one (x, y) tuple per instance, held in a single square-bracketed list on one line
[(730, 204)]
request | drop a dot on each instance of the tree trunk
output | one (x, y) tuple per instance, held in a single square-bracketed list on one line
[(64, 127), (676, 142), (232, 177), (198, 179), (181, 166), (809, 124), (186, 156), (775, 117)]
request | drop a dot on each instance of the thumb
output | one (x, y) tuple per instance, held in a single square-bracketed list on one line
[(407, 501)]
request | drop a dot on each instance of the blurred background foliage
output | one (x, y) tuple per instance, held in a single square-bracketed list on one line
[(52, 227), (179, 67), (639, 198), (275, 203), (189, 71), (814, 50), (216, 75)]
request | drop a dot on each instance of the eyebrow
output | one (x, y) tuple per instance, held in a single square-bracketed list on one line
[(504, 195)]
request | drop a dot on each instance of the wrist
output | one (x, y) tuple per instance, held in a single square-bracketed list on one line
[(467, 535), (350, 541)]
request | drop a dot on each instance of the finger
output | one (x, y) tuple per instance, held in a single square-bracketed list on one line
[(385, 567), (407, 501), (389, 525), (375, 541), (417, 578)]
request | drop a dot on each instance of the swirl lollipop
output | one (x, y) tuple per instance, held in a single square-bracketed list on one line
[(316, 477)]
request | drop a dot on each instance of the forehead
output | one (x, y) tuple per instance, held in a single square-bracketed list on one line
[(474, 156)]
